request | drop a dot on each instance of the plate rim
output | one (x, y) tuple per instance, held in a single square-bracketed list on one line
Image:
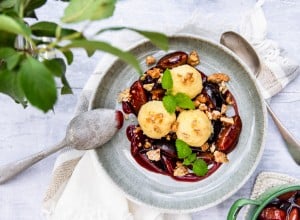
[(263, 136)]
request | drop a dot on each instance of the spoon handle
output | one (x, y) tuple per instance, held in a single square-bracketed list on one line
[(10, 170), (292, 144)]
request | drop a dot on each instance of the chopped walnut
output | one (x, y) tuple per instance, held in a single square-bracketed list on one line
[(222, 87), (227, 120), (136, 130), (180, 170), (147, 144), (223, 109), (155, 118), (203, 107), (193, 58), (150, 60), (212, 148), (218, 78), (229, 99), (148, 87), (220, 157), (188, 78), (124, 96), (205, 147), (201, 98), (215, 115), (154, 73), (153, 155), (143, 77), (174, 126), (209, 115)]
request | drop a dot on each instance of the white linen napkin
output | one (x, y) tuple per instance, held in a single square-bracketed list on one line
[(80, 188)]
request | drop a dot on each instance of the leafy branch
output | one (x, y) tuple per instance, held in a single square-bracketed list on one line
[(26, 75)]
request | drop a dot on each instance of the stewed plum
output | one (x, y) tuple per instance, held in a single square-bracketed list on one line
[(284, 207), (160, 155)]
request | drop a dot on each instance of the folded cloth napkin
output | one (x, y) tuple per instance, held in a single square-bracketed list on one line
[(80, 188)]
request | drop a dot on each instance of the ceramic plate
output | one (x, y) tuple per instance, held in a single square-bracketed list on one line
[(161, 191)]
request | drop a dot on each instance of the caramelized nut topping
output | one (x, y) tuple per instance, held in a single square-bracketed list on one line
[(218, 78), (150, 60), (154, 73), (124, 96), (227, 120), (148, 87), (153, 155), (180, 170), (205, 147), (193, 58), (220, 157)]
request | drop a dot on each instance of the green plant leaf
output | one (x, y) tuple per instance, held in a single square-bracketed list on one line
[(68, 55), (31, 6), (38, 84), (183, 149), (189, 159), (10, 86), (13, 60), (10, 56), (6, 52), (167, 81), (46, 28), (7, 39), (106, 47), (4, 4), (79, 10), (11, 25), (158, 39), (183, 101), (58, 67), (200, 167), (169, 103)]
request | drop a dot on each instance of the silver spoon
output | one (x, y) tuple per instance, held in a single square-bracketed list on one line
[(86, 131), (244, 50)]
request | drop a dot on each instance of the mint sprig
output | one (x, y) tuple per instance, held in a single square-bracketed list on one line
[(170, 101), (167, 81), (184, 152)]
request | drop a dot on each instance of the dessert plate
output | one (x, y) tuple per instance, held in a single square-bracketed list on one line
[(156, 190)]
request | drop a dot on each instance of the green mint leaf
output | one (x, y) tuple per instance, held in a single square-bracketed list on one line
[(11, 25), (10, 86), (183, 149), (189, 159), (169, 103), (183, 101), (200, 167), (78, 10), (167, 81), (38, 84), (91, 46)]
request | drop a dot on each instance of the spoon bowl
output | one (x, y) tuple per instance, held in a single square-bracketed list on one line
[(86, 131), (245, 51)]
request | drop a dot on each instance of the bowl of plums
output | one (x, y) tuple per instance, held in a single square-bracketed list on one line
[(277, 203), (194, 129)]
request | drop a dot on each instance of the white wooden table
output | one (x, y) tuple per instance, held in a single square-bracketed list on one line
[(26, 131)]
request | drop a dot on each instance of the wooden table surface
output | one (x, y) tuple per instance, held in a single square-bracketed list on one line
[(26, 131)]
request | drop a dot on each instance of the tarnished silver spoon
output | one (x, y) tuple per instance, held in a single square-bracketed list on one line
[(86, 131), (244, 50)]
